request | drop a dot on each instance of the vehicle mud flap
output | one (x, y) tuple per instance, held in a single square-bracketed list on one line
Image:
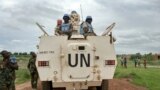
[(47, 85)]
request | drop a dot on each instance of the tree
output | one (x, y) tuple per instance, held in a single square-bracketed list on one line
[(15, 53), (24, 53), (148, 57)]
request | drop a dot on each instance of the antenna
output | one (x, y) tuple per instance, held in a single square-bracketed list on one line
[(45, 33), (108, 29), (81, 12)]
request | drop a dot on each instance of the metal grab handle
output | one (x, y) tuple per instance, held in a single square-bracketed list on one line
[(71, 77)]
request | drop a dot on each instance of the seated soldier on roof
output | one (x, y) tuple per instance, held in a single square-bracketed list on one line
[(57, 29), (66, 27), (86, 28)]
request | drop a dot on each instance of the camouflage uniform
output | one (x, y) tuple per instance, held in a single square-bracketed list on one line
[(33, 72), (11, 67), (3, 85), (5, 78), (8, 68)]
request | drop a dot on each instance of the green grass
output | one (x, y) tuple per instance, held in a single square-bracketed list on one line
[(22, 58), (149, 78), (22, 76)]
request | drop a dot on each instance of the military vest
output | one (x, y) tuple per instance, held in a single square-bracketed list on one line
[(87, 25), (65, 27)]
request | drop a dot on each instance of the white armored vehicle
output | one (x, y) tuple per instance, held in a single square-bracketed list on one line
[(76, 63)]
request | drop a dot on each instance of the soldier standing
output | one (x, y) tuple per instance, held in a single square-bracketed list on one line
[(125, 62), (9, 68), (121, 60), (33, 70), (135, 62)]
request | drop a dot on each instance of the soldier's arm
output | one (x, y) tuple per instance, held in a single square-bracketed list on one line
[(16, 66), (60, 31), (13, 66)]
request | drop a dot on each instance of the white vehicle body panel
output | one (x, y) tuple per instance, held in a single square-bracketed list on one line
[(76, 63)]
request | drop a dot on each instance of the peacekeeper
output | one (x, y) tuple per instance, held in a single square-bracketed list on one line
[(57, 29), (66, 28), (86, 28), (33, 70), (8, 69)]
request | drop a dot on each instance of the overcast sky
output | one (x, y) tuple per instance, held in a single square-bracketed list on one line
[(137, 22)]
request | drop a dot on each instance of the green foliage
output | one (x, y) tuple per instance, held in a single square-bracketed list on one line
[(136, 56), (22, 76), (148, 57), (23, 57), (148, 78)]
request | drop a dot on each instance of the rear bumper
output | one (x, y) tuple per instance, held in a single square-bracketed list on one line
[(76, 85)]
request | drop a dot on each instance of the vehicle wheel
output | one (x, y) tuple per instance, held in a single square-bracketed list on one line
[(104, 85), (46, 85)]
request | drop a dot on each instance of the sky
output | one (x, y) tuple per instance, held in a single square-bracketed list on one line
[(137, 22)]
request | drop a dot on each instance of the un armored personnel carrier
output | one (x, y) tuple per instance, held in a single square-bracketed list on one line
[(76, 63)]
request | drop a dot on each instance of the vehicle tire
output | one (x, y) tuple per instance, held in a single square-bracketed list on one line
[(46, 85), (104, 85)]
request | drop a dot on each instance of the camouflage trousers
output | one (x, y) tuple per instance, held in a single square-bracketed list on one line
[(3, 87), (34, 80), (13, 85)]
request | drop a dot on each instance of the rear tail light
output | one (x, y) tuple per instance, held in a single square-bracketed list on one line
[(109, 62), (43, 63)]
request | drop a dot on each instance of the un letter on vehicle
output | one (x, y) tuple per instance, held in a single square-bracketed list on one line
[(81, 60)]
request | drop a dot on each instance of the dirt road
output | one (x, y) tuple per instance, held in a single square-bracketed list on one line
[(115, 84)]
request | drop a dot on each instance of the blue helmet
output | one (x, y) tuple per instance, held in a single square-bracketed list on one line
[(13, 59), (66, 15), (88, 17)]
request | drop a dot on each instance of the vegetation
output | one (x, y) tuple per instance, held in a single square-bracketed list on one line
[(22, 76), (148, 78)]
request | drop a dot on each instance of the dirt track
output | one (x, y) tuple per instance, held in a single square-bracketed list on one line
[(115, 84)]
